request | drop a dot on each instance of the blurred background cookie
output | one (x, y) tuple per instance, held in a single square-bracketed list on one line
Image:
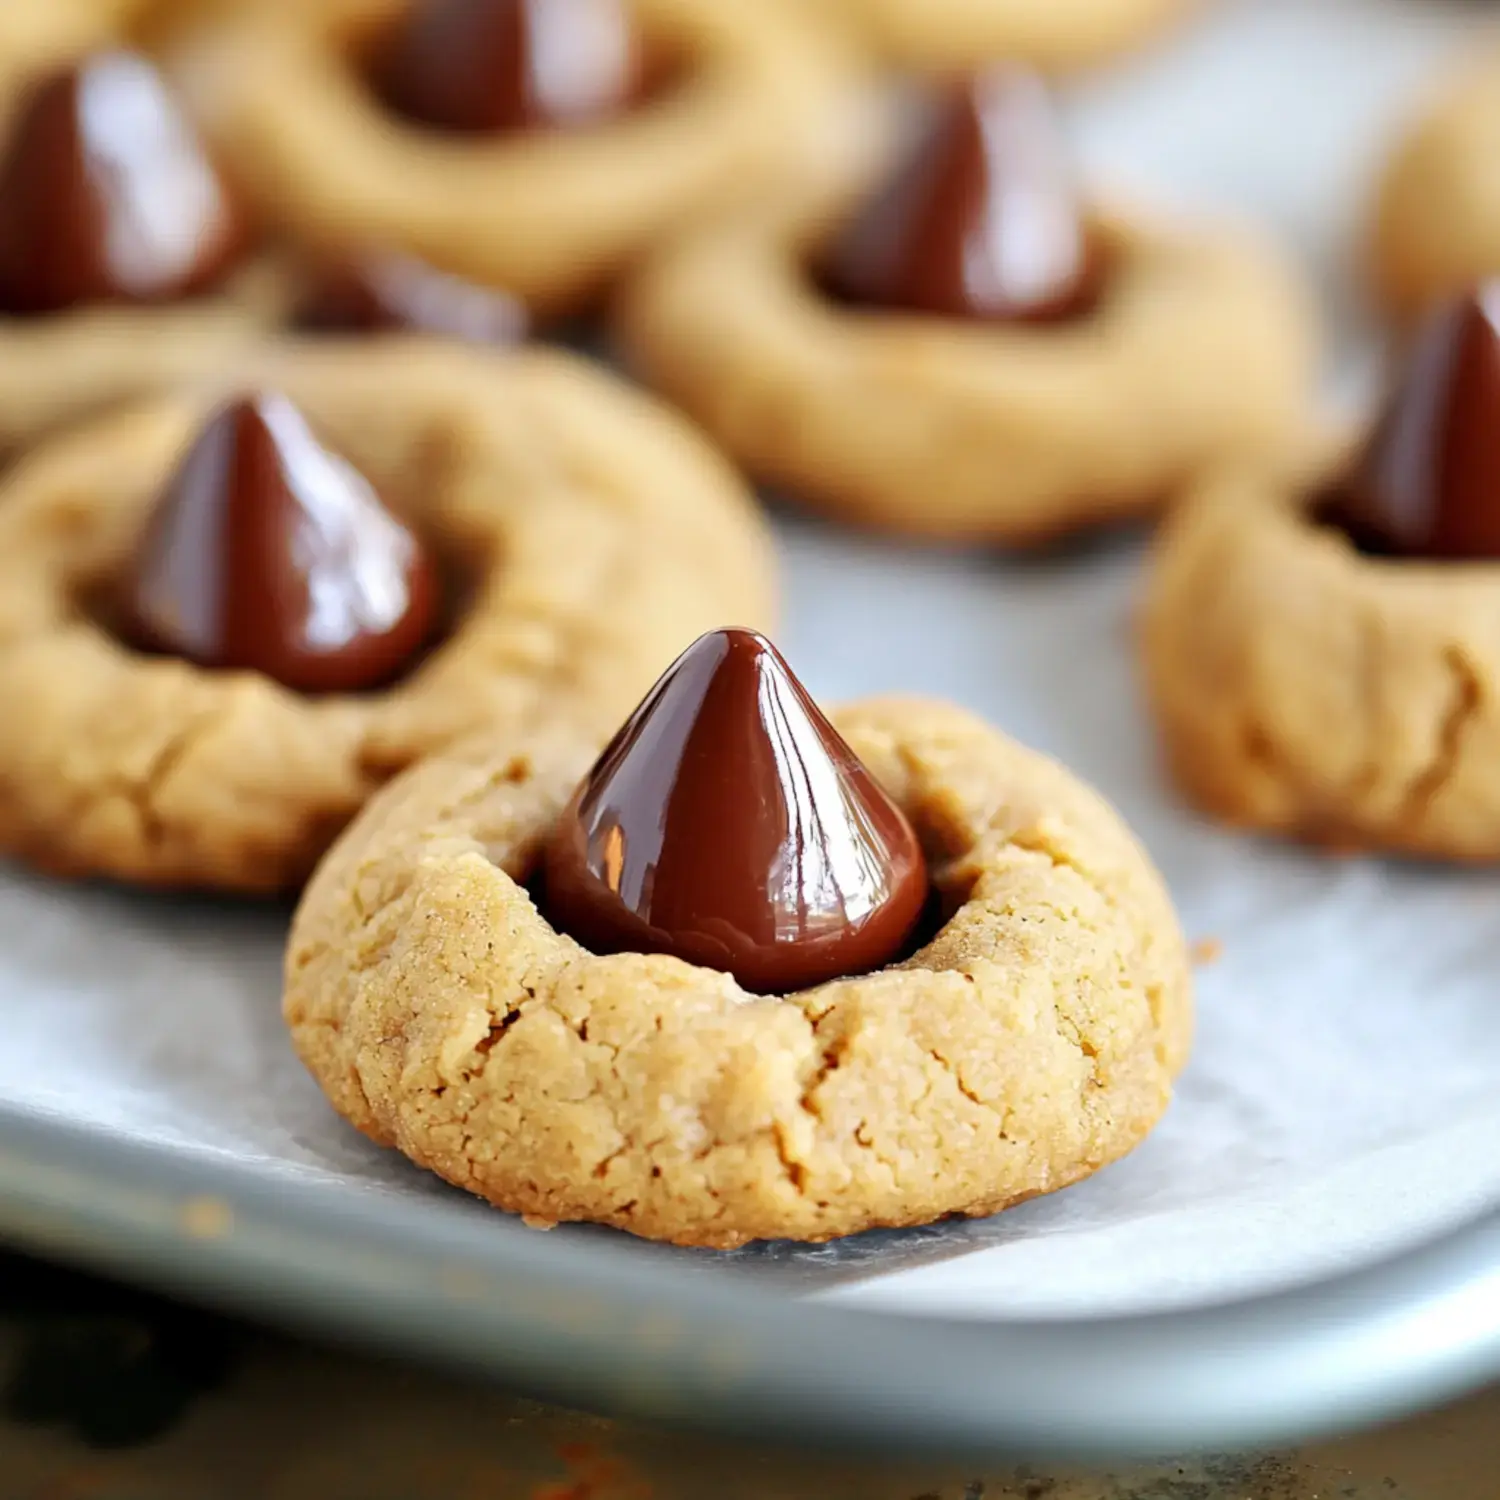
[(954, 344), (1323, 652), (530, 150), (226, 619)]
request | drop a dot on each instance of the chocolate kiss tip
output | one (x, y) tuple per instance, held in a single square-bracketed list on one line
[(1427, 483), (729, 824), (485, 66), (981, 220), (106, 193), (268, 553)]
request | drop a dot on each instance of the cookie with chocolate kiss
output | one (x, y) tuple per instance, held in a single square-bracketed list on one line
[(1322, 650), (693, 987), (227, 622), (540, 147), (975, 350)]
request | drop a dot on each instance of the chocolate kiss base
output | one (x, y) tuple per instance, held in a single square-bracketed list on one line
[(936, 910), (1334, 511)]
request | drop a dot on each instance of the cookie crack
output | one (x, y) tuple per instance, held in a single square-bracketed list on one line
[(1465, 700), (951, 1069), (143, 792), (831, 1060), (796, 1172)]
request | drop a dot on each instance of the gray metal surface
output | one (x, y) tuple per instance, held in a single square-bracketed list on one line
[(578, 1322)]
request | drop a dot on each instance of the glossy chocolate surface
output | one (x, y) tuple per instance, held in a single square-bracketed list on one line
[(268, 553), (1427, 483), (388, 289), (728, 823), (486, 66), (107, 195), (981, 219)]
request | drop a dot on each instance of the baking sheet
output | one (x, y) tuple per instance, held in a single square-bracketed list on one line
[(1344, 1097)]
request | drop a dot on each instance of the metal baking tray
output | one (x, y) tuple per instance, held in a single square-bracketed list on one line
[(1310, 1241)]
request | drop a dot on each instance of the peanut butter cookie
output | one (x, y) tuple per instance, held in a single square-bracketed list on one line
[(1324, 655), (532, 149), (218, 635), (794, 1075), (966, 352), (1436, 223)]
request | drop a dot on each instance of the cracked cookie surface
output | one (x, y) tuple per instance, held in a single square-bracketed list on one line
[(590, 534), (1305, 688), (1033, 1040)]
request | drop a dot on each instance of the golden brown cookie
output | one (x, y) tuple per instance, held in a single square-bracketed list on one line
[(548, 215), (586, 533), (1306, 688), (1323, 646), (1436, 226), (953, 35), (1030, 1042), (1198, 346)]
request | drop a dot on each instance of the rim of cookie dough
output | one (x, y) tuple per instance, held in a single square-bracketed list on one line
[(592, 532), (1305, 688), (549, 217), (970, 431), (1435, 228), (63, 367), (949, 35), (1030, 1042)]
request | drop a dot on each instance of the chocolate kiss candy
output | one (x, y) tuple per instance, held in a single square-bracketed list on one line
[(268, 553), (385, 289), (729, 824), (106, 194), (982, 220), (494, 65), (1428, 481)]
